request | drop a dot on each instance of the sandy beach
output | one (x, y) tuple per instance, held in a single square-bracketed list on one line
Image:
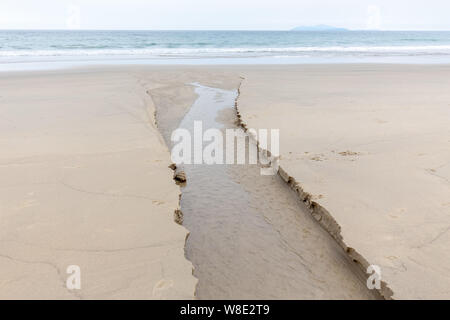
[(370, 145), (85, 181), (86, 178)]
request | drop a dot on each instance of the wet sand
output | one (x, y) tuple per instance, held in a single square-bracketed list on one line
[(250, 235), (85, 180)]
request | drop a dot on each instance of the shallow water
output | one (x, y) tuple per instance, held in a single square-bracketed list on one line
[(250, 236), (59, 49), (18, 44)]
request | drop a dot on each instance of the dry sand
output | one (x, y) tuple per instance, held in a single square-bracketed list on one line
[(371, 144), (84, 177)]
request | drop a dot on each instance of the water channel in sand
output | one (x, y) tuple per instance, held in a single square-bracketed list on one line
[(250, 235)]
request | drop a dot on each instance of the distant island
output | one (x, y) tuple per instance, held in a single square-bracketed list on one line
[(320, 27)]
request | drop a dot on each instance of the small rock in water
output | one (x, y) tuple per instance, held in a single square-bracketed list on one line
[(180, 176)]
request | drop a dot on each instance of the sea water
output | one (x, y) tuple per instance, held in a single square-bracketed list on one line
[(217, 47)]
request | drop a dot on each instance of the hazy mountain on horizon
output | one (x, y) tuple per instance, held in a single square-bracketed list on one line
[(320, 27)]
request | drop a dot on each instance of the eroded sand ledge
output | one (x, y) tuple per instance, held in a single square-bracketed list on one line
[(370, 143), (320, 214)]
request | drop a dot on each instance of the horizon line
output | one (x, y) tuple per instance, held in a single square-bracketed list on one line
[(342, 29)]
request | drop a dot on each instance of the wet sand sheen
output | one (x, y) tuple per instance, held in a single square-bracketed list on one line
[(250, 236)]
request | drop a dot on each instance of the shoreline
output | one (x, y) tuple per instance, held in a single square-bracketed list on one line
[(233, 67), (133, 62)]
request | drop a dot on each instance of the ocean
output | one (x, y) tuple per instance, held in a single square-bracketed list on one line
[(224, 46)]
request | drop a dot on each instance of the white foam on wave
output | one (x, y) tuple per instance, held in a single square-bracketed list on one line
[(441, 49)]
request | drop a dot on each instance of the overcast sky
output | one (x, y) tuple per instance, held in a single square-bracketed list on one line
[(225, 14)]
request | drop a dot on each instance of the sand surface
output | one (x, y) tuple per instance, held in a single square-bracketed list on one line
[(250, 235), (84, 177), (85, 181), (371, 144)]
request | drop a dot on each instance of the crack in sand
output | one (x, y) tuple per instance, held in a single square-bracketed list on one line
[(106, 194), (48, 263)]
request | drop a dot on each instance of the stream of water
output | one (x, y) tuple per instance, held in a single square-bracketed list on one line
[(250, 235)]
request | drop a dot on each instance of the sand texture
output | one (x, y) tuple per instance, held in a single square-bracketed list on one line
[(85, 181), (85, 178), (371, 145)]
